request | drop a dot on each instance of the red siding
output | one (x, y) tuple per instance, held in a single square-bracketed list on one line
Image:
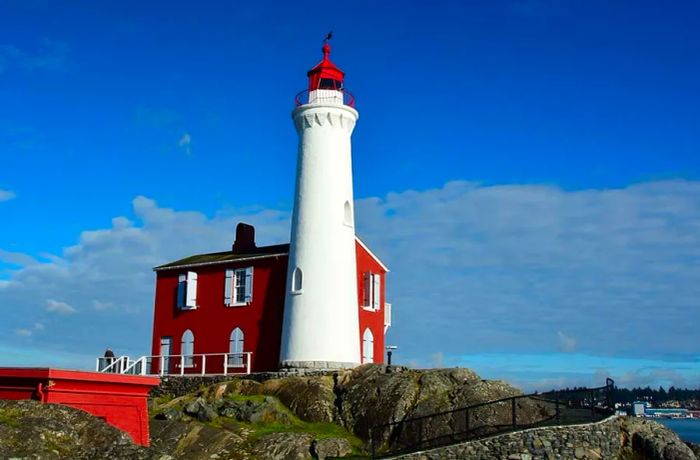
[(374, 320), (212, 322)]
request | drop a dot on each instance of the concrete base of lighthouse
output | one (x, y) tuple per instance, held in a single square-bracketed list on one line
[(317, 365)]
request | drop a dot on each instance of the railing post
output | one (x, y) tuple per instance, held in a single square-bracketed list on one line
[(182, 364), (225, 363), (162, 365), (248, 363), (204, 364), (512, 406), (97, 365)]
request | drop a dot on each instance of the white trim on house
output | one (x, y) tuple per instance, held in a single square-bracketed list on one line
[(374, 256)]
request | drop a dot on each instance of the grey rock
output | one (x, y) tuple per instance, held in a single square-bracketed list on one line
[(201, 410), (283, 446), (331, 447)]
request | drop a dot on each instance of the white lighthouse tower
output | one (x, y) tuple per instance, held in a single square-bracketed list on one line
[(321, 322)]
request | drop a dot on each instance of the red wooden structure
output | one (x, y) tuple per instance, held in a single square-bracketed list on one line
[(120, 400)]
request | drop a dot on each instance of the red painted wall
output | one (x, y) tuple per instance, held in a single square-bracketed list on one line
[(121, 400), (374, 320), (212, 322), (261, 321)]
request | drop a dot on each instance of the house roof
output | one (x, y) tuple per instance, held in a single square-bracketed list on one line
[(227, 256), (212, 258)]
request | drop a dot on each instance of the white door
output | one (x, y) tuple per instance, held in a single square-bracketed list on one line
[(165, 354)]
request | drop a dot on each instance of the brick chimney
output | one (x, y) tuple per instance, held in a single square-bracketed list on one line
[(245, 238)]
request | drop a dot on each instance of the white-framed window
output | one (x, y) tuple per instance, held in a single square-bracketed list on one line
[(187, 291), (239, 287), (367, 347), (297, 281), (187, 348), (371, 291), (347, 214), (235, 349)]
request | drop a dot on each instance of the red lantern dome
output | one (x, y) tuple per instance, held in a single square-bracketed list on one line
[(326, 75)]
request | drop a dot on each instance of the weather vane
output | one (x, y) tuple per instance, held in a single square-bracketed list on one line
[(329, 35)]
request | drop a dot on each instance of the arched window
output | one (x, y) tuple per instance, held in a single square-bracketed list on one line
[(235, 349), (187, 348), (367, 347), (297, 280), (347, 214)]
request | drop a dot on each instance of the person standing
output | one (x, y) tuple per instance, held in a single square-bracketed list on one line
[(109, 359)]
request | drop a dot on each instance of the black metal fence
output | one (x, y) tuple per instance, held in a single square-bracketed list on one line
[(565, 407)]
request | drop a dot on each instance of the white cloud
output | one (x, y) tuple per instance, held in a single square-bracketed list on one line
[(567, 344), (23, 332), (7, 195), (97, 305), (38, 326), (56, 306), (185, 143), (474, 269)]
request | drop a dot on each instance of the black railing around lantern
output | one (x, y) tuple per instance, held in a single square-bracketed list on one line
[(328, 96), (565, 407)]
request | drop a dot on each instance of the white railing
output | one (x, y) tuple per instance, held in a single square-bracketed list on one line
[(183, 365)]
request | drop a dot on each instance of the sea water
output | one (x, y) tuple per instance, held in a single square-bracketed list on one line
[(687, 428)]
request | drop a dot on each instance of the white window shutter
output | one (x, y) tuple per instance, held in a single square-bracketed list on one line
[(249, 284), (181, 288), (367, 291), (376, 290), (191, 290), (228, 287)]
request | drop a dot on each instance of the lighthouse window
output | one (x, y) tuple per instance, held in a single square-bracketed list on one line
[(235, 357), (347, 214), (329, 83), (238, 288), (187, 348), (297, 281), (367, 347)]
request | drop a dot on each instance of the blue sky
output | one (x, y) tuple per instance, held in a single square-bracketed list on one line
[(528, 169)]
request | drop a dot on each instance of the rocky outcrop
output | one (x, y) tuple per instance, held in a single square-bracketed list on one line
[(373, 395), (29, 429), (649, 440)]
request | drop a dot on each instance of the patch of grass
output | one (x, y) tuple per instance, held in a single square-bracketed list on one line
[(319, 430), (255, 398), (10, 417)]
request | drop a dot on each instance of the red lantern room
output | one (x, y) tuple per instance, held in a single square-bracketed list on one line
[(326, 83), (326, 75)]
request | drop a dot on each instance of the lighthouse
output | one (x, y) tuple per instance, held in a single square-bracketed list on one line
[(321, 324)]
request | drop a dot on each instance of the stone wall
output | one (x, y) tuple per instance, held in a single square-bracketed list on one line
[(616, 438), (182, 385), (600, 440)]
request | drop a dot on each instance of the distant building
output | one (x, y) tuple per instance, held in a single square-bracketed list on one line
[(666, 412), (638, 408)]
